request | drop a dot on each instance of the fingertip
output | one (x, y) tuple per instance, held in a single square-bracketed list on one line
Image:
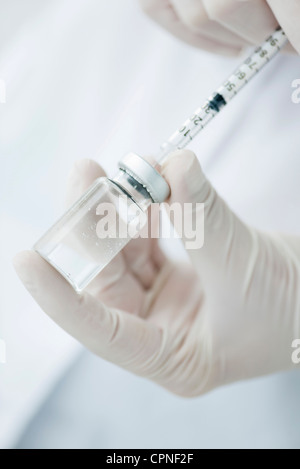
[(33, 270), (48, 288), (179, 157), (150, 6), (45, 275), (85, 169), (182, 171), (83, 173), (186, 179), (88, 166)]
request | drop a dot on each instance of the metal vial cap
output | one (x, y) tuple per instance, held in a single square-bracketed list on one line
[(147, 175)]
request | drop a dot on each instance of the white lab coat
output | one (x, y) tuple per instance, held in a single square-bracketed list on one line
[(91, 78)]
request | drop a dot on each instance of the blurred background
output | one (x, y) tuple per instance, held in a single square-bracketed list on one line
[(96, 79)]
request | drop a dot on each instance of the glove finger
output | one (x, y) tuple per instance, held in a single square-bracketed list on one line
[(293, 244), (252, 20), (82, 175), (193, 15), (119, 337), (163, 13), (213, 236), (288, 15)]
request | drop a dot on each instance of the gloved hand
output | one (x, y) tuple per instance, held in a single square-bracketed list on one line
[(230, 314), (226, 26)]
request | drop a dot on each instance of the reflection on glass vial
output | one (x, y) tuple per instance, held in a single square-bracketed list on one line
[(95, 229)]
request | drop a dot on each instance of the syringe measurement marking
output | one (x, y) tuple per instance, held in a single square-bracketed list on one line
[(230, 88)]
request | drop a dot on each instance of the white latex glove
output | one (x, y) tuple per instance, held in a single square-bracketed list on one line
[(226, 26), (231, 314)]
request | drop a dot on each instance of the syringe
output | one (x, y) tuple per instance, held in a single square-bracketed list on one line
[(225, 93), (85, 239)]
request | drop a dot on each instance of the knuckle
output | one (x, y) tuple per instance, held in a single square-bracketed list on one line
[(195, 18), (148, 6), (218, 11)]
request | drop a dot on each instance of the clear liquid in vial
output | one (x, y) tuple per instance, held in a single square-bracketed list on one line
[(91, 233)]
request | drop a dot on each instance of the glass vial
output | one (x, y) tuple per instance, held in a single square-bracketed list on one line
[(100, 224), (95, 229)]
